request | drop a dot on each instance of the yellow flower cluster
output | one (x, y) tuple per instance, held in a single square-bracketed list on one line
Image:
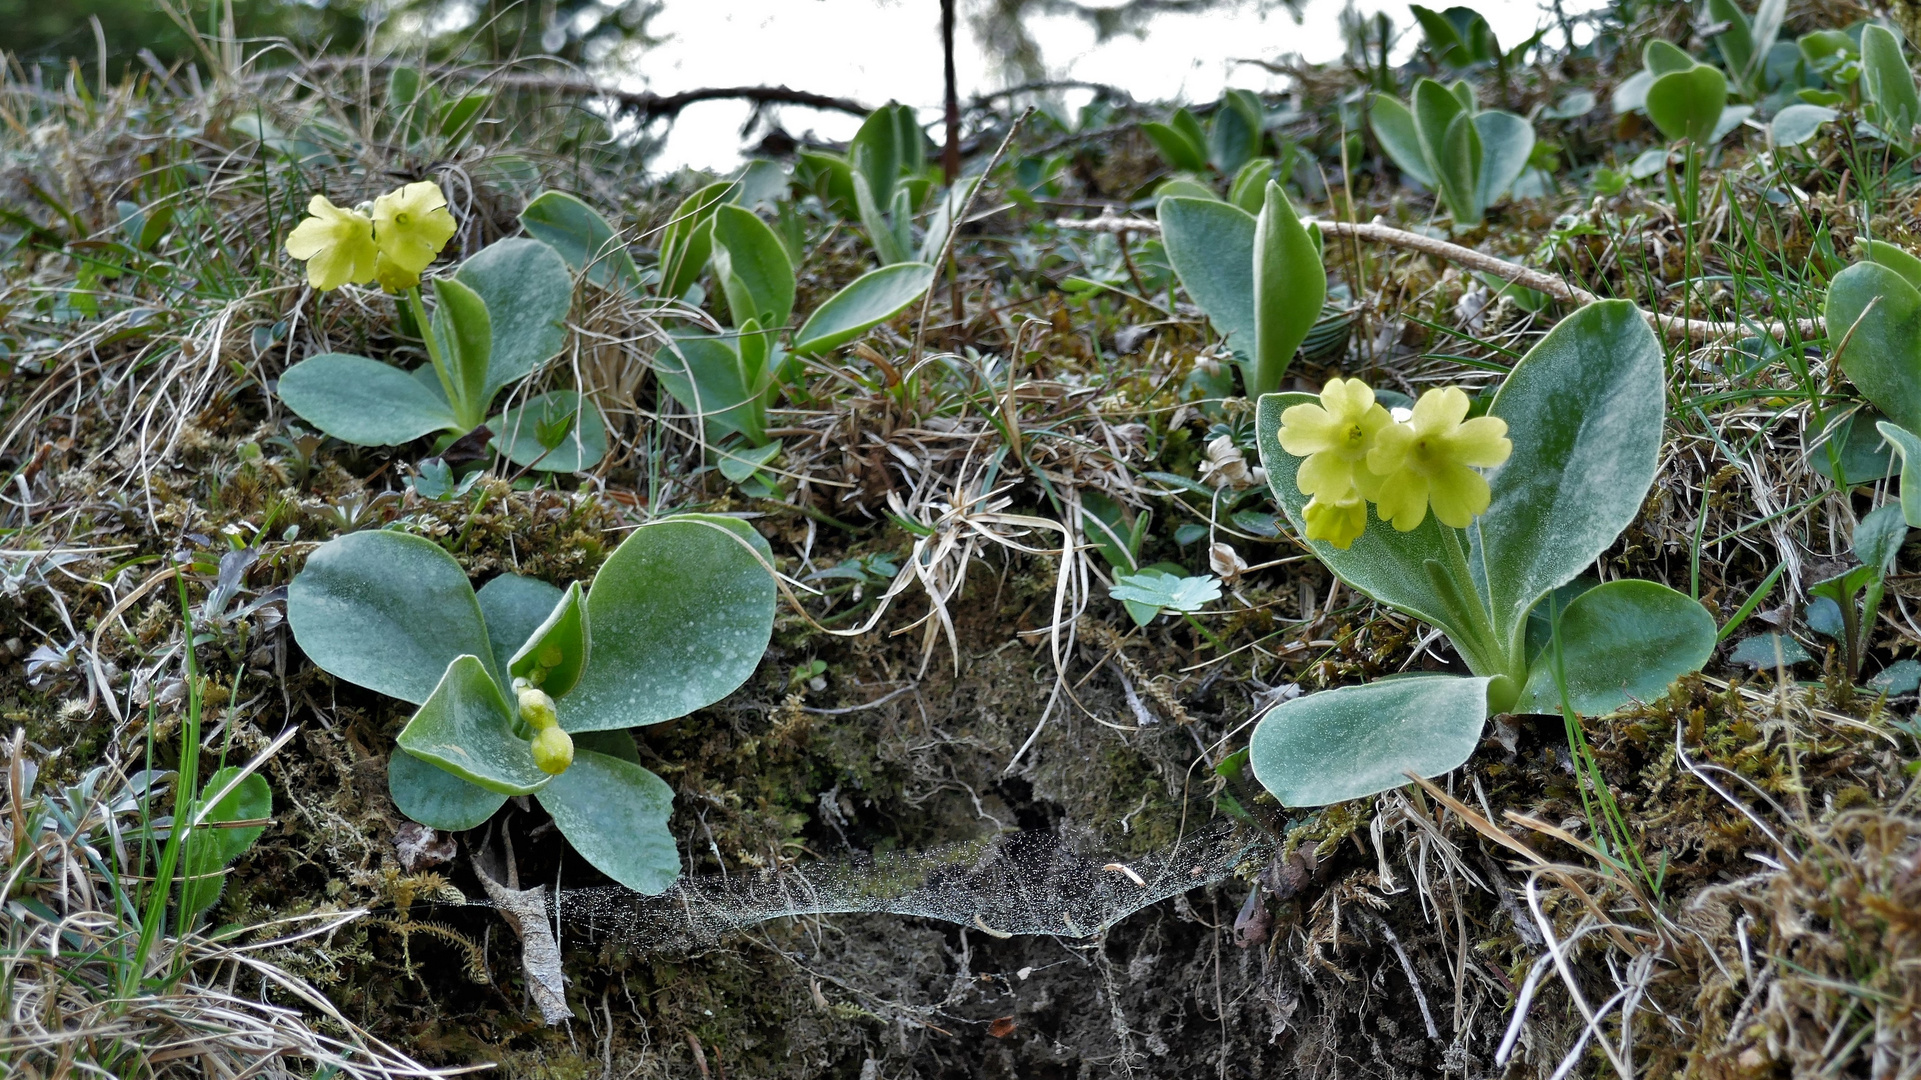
[(1356, 453), (393, 244)]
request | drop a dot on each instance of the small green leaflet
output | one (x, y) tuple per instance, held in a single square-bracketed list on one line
[(1165, 590)]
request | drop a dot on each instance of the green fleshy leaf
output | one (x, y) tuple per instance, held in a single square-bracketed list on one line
[(467, 728), (386, 611), (565, 630), (1874, 310), (1764, 652), (703, 373), (1687, 104), (680, 614), (521, 433), (1584, 409), (583, 238), (526, 291), (1160, 589), (615, 813), (437, 798), (1175, 148), (514, 608), (1908, 445), (362, 401), (1356, 741), (1507, 141), (1289, 287), (755, 273), (464, 334), (1889, 84), (1210, 244), (866, 302), (1619, 642)]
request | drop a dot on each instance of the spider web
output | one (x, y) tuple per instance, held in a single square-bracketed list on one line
[(1031, 882)]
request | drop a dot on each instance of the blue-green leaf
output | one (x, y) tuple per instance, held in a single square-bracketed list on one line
[(386, 611), (526, 291), (467, 728), (866, 302), (1585, 409), (583, 238), (1355, 741), (362, 401), (435, 797), (680, 613), (514, 608), (1619, 642), (615, 813), (1210, 244), (558, 431)]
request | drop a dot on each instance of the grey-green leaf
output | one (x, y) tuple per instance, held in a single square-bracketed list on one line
[(467, 728), (464, 333), (1211, 247), (435, 797), (362, 401), (1584, 409), (1797, 124), (583, 238), (866, 302), (1877, 314), (615, 813), (527, 292), (514, 608), (1506, 142), (703, 373), (1889, 83), (1622, 641), (681, 613), (755, 260), (1687, 104), (1908, 445), (583, 439), (1289, 285), (1356, 741), (386, 611), (1175, 148), (565, 632), (1393, 126)]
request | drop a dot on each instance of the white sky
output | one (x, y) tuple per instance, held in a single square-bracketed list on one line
[(873, 50)]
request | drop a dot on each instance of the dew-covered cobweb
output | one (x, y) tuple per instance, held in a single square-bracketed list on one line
[(1031, 882)]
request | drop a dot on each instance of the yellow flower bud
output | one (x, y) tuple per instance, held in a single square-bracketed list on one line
[(553, 751), (537, 709), (337, 245), (392, 277), (1339, 523), (550, 656), (411, 225)]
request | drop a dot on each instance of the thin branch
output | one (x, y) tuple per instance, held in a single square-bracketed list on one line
[(647, 104), (1671, 326)]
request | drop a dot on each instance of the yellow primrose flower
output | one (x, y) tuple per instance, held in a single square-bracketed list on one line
[(1338, 523), (337, 245), (1429, 461), (1334, 437), (411, 225)]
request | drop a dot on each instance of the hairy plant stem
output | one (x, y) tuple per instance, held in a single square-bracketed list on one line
[(421, 322)]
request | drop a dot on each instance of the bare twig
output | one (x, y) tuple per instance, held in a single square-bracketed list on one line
[(1670, 326), (646, 103)]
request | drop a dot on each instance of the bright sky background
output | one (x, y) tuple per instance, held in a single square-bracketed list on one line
[(873, 50)]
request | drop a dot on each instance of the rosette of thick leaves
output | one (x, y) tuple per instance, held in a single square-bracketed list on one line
[(677, 619)]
